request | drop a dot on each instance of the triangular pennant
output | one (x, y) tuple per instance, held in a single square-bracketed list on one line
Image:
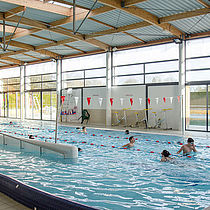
[(164, 99), (111, 101), (157, 100), (171, 99), (121, 101), (62, 99), (131, 101), (100, 100), (76, 100), (140, 100), (149, 101), (178, 97), (88, 100)]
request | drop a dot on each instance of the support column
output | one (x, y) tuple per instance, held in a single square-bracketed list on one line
[(108, 87), (22, 92), (58, 92), (182, 76)]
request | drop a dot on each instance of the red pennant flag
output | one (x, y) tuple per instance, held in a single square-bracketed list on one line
[(62, 99), (111, 101), (178, 98), (88, 100), (148, 100), (164, 99), (131, 101)]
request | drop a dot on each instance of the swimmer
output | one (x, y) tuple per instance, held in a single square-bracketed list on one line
[(79, 149), (84, 129), (188, 148), (31, 137), (126, 131), (11, 123), (165, 156), (131, 144)]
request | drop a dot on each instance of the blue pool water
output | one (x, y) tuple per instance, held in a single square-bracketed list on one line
[(107, 177)]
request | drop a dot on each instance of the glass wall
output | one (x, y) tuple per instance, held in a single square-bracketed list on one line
[(10, 92), (156, 64), (40, 86), (198, 81), (84, 71), (196, 107)]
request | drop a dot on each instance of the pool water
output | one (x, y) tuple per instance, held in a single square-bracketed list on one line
[(108, 177)]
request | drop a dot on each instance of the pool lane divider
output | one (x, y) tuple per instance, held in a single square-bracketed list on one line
[(84, 142), (157, 141)]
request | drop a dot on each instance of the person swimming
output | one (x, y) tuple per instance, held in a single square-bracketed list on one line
[(31, 137), (188, 148), (127, 132), (84, 129), (131, 144), (165, 156)]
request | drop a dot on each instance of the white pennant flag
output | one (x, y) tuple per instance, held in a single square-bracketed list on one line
[(157, 100), (76, 100), (100, 100), (140, 100), (171, 99), (121, 101)]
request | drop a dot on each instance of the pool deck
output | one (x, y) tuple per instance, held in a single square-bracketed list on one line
[(7, 203)]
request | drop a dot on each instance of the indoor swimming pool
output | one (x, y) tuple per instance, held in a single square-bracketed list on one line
[(105, 176)]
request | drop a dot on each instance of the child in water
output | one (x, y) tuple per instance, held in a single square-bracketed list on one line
[(188, 148), (126, 131), (165, 156), (84, 129), (131, 144)]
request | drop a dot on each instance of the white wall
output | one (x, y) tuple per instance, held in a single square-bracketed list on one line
[(172, 116), (126, 93), (94, 94)]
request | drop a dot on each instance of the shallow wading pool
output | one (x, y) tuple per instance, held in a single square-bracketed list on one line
[(107, 177)]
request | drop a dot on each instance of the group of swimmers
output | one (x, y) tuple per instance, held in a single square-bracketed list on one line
[(187, 148)]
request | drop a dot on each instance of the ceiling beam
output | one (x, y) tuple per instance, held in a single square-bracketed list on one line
[(10, 29), (31, 56), (129, 3), (115, 28), (47, 7), (40, 37), (14, 11), (146, 16), (22, 45), (73, 48), (120, 29), (204, 3), (184, 15), (81, 15), (70, 4), (48, 53), (16, 61)]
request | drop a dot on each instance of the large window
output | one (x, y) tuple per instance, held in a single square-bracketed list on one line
[(197, 107), (198, 60), (10, 93), (156, 64), (40, 86), (84, 71)]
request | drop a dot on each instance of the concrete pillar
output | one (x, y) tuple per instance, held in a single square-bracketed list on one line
[(22, 92), (108, 87), (58, 92), (182, 79)]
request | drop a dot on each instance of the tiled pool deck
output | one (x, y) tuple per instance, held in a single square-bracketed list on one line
[(7, 203)]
